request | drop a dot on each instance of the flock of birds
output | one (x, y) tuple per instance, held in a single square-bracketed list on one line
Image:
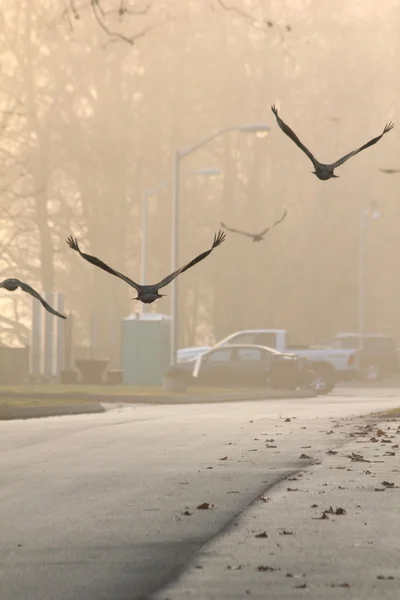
[(149, 293)]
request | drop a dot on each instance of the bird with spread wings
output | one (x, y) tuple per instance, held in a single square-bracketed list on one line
[(256, 237), (325, 171), (146, 293), (13, 284)]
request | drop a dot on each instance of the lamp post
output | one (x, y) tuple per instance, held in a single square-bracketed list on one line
[(259, 129), (205, 172), (367, 213)]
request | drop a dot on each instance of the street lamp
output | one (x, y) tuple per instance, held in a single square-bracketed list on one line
[(205, 172), (367, 213), (260, 129)]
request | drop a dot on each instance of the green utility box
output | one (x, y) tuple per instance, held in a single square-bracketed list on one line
[(145, 354)]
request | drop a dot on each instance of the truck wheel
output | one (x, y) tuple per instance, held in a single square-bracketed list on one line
[(371, 372), (323, 379)]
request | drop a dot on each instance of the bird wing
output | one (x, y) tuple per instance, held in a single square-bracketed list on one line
[(275, 224), (236, 230), (342, 160), (389, 171), (286, 129), (29, 290), (218, 239), (73, 243)]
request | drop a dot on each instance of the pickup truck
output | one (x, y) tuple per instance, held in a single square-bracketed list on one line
[(377, 359), (329, 366)]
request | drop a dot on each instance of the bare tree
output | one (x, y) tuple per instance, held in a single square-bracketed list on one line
[(117, 18)]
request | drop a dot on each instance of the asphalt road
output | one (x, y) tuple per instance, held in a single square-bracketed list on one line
[(93, 506)]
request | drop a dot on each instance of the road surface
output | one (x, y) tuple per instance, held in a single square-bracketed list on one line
[(103, 507)]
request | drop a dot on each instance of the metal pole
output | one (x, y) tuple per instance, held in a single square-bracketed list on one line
[(361, 282), (144, 243), (49, 328), (175, 257), (37, 339), (61, 324)]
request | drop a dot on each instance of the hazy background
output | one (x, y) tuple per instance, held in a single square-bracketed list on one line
[(95, 120)]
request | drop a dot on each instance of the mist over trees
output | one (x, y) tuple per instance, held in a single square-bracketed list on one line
[(95, 97)]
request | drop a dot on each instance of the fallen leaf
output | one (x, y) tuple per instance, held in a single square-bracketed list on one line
[(205, 506), (224, 458), (335, 511), (323, 517), (356, 457), (340, 511), (287, 420), (304, 456), (264, 534), (314, 505)]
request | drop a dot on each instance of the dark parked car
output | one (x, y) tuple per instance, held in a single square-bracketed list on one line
[(378, 358), (242, 365)]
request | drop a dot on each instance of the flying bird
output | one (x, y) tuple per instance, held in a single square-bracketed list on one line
[(389, 171), (146, 293), (256, 237), (13, 284), (323, 171)]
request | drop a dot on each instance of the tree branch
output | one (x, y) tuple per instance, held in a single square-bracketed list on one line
[(259, 24)]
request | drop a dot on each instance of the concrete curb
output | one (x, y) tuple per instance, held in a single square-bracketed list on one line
[(36, 412), (215, 398)]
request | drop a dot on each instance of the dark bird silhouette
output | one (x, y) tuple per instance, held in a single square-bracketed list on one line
[(389, 171), (146, 293), (256, 237), (323, 171), (13, 284)]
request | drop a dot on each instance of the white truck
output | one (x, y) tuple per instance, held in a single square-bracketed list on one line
[(329, 366)]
